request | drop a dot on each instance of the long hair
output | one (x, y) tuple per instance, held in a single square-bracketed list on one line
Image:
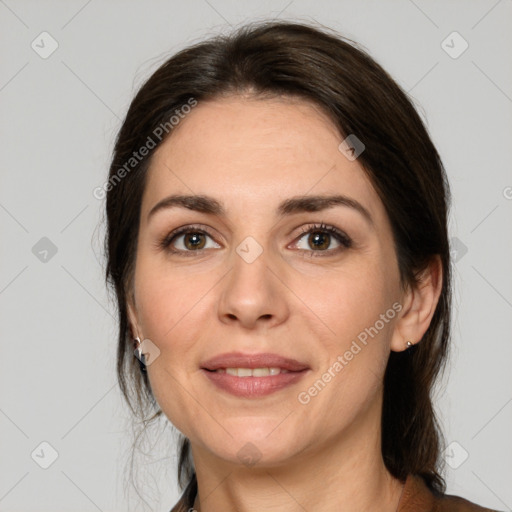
[(276, 59)]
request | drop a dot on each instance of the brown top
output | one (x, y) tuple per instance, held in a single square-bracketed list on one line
[(416, 497)]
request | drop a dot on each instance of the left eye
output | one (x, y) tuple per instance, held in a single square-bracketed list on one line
[(192, 241), (319, 239)]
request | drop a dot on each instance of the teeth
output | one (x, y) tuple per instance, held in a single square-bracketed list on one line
[(252, 372), (259, 372)]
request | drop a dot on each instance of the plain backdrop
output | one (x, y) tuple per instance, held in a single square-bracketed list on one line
[(68, 73)]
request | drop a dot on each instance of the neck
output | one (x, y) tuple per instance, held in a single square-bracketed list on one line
[(346, 473)]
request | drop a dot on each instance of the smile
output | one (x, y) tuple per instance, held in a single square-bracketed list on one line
[(252, 372)]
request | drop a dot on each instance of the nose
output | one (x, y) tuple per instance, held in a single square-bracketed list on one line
[(253, 293)]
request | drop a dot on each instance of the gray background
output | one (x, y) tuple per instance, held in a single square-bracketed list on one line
[(59, 118)]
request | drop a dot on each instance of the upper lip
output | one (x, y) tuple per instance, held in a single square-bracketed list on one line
[(264, 360)]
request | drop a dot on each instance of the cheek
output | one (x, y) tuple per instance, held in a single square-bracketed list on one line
[(172, 316), (167, 301), (357, 321), (349, 303), (349, 380)]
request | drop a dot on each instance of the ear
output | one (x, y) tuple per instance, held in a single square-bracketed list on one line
[(419, 305), (132, 317)]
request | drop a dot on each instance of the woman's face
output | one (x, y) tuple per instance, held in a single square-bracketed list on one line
[(264, 281)]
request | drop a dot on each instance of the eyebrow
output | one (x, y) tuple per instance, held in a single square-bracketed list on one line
[(293, 205)]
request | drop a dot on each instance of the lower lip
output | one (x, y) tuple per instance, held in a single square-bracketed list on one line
[(253, 387)]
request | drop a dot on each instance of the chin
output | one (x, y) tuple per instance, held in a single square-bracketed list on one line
[(257, 444)]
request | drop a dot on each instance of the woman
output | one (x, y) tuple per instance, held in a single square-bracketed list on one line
[(277, 242)]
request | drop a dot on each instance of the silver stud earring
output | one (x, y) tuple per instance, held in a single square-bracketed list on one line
[(410, 344)]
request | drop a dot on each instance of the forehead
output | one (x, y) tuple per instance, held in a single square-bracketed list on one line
[(254, 152)]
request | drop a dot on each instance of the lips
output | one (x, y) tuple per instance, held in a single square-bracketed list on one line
[(266, 360), (252, 375)]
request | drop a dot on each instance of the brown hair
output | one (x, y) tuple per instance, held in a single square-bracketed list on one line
[(318, 65)]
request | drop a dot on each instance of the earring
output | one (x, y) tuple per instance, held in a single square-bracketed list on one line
[(139, 354), (410, 344)]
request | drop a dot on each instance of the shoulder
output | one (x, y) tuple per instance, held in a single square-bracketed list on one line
[(417, 497), (449, 503)]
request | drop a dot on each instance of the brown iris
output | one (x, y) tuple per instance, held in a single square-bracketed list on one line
[(194, 240), (318, 236)]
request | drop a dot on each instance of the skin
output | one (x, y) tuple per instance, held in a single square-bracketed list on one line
[(251, 154)]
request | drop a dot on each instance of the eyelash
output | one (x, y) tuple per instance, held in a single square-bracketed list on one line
[(342, 238)]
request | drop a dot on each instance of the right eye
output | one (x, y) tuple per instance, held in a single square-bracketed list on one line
[(188, 239)]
